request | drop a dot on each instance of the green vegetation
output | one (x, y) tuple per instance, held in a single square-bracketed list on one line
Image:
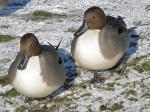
[(71, 29), (4, 80), (110, 86), (140, 67), (147, 8), (21, 109), (58, 100), (134, 62), (131, 92), (41, 14), (117, 106), (5, 38), (12, 93), (90, 110), (143, 67), (82, 85), (146, 95), (103, 108), (61, 99), (86, 94), (53, 108)]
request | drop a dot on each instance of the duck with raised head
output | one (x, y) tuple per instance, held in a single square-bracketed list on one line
[(101, 41), (37, 70)]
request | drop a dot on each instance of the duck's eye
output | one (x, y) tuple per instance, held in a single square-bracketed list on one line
[(93, 17)]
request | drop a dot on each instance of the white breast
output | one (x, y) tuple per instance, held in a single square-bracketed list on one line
[(88, 52), (29, 82)]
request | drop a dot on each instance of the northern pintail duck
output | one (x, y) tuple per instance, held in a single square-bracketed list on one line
[(37, 70), (100, 42)]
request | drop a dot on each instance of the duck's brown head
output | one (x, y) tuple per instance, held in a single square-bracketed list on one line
[(94, 18), (29, 46)]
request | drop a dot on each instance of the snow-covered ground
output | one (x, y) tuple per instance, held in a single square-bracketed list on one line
[(129, 92)]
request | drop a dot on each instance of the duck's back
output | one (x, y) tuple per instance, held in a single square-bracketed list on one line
[(51, 63), (114, 38)]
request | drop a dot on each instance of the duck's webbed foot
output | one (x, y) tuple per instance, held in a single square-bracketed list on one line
[(98, 78), (121, 69)]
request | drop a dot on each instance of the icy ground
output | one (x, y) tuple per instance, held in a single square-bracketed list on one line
[(129, 92)]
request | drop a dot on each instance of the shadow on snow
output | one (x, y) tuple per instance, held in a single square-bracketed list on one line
[(13, 6)]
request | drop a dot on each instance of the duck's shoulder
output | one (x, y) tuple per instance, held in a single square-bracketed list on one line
[(49, 53), (117, 24), (48, 50)]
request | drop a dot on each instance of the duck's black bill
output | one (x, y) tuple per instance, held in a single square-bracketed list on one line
[(23, 62), (83, 28)]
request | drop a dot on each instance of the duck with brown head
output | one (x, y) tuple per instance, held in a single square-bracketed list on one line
[(100, 42), (94, 18), (37, 70), (29, 46)]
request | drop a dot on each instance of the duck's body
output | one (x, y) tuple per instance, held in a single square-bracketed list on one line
[(88, 52), (43, 74), (99, 49)]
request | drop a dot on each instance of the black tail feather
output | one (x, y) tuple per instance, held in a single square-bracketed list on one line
[(58, 44), (56, 47)]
